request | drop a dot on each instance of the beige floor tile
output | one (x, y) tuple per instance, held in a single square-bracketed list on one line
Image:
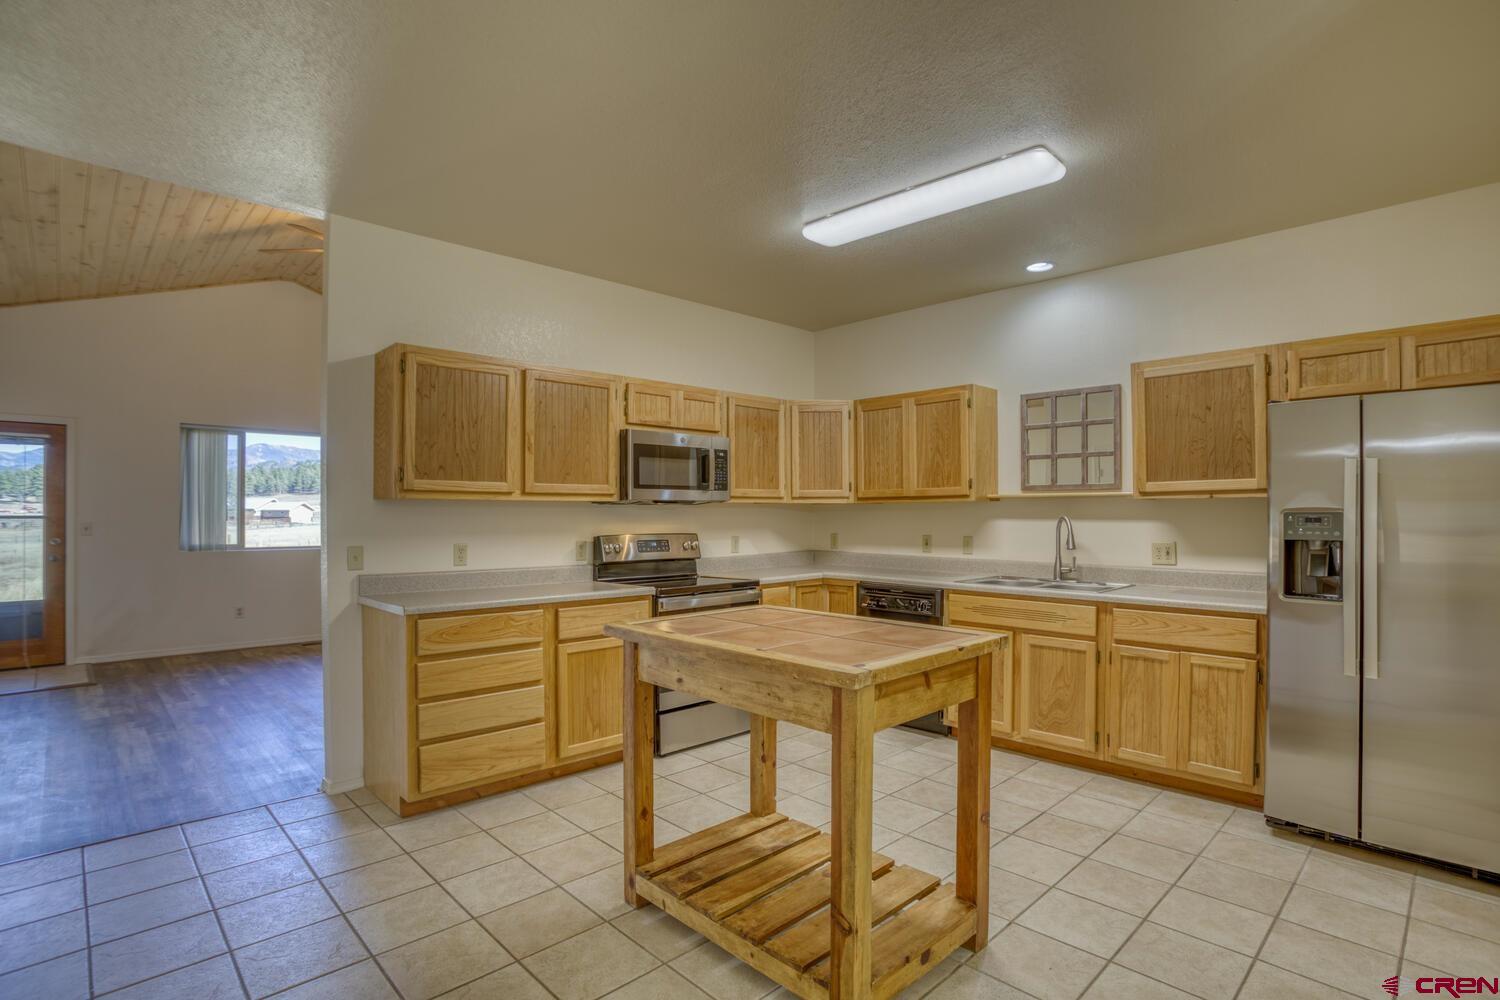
[(444, 961), (1233, 884), (902, 816), (497, 885), (351, 852), (673, 763), (142, 845), (1057, 775), (892, 779), (1119, 983), (1176, 834), (561, 791), (526, 927), (805, 810), (696, 813), (590, 964), (1358, 922), (610, 777), (394, 922), (1082, 923), (145, 910), (1251, 825), (1362, 883), (35, 871), (65, 978), (965, 983), (1027, 858), (1031, 794), (1007, 817), (932, 794), (298, 956), (795, 779), (433, 828), (705, 777), (1458, 910), (592, 814), (574, 858), (941, 832), (1260, 856), (664, 833), (601, 892), (233, 851), (1151, 860), (663, 936), (381, 814), (466, 854), (512, 982), (27, 944), (307, 806), (267, 916), (1065, 834), (1330, 960), (1004, 761), (722, 976), (361, 981), (1037, 964), (934, 860), (214, 979), (1442, 948), (1234, 927), (658, 984), (1116, 887), (1190, 809), (666, 792), (1082, 807), (137, 876), (1267, 982), (372, 883), (912, 762), (234, 885), (330, 826), (142, 956), (233, 825), (498, 810), (1174, 958), (1011, 893)]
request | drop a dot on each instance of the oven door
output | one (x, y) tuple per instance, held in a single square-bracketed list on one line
[(663, 467), (688, 720)]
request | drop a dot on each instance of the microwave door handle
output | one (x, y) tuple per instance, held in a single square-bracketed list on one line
[(1352, 567)]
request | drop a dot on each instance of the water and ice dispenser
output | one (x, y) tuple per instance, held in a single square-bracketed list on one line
[(1312, 557)]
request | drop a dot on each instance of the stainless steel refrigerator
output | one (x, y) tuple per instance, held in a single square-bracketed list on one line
[(1384, 603)]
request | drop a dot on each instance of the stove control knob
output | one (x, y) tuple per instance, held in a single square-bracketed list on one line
[(691, 543)]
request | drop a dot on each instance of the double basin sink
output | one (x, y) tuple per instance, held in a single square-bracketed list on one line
[(1073, 586)]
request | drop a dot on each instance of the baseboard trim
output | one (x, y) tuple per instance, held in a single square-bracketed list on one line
[(217, 647), (331, 787)]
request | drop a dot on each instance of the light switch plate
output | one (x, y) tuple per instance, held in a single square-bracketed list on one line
[(460, 554), (581, 550), (926, 543), (833, 539), (1164, 553), (734, 544), (354, 557), (968, 545)]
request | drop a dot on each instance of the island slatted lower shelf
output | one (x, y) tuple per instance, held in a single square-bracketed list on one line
[(758, 886)]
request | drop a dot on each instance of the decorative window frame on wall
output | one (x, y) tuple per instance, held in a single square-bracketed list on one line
[(1085, 419)]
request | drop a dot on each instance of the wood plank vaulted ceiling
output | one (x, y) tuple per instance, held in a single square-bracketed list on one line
[(75, 230), (680, 146)]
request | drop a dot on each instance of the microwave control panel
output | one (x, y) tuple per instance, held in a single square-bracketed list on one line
[(721, 469)]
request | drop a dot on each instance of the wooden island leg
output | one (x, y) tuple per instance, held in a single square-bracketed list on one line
[(849, 893), (762, 765), (639, 776), (972, 883)]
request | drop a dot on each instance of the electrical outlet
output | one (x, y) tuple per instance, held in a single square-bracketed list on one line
[(86, 529), (354, 557), (926, 543), (833, 539), (1164, 553), (968, 545), (239, 612), (734, 544), (581, 550), (460, 554)]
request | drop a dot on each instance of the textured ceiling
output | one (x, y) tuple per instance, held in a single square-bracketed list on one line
[(680, 146)]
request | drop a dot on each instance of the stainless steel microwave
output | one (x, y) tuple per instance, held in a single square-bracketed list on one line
[(667, 467)]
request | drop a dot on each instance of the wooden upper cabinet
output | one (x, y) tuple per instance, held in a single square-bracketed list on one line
[(1459, 353), (572, 433), (937, 443), (446, 423), (673, 407), (1141, 695), (1200, 423), (822, 455), (1057, 679), (1217, 712), (1339, 366), (757, 448)]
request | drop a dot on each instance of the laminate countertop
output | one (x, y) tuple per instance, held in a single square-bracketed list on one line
[(426, 602)]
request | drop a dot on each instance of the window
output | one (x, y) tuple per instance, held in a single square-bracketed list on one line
[(1070, 440), (244, 489)]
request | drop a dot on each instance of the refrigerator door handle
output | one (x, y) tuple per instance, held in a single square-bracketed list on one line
[(1369, 554), (1352, 563)]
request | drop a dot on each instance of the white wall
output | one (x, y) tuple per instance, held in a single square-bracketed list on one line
[(385, 286), (125, 373), (1420, 262)]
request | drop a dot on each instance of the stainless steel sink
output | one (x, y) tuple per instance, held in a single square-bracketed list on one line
[(1076, 586), (1009, 581)]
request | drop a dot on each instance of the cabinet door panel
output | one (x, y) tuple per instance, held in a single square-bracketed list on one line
[(700, 410), (757, 448), (1461, 353), (777, 595), (1142, 706), (841, 597), (462, 425), (1200, 423), (881, 435), (572, 433), (1217, 713), (940, 441), (649, 403), (1341, 366), (589, 689), (1057, 693), (820, 450), (812, 596)]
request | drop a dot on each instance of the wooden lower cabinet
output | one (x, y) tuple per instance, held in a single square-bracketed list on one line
[(811, 596), (837, 596), (777, 595), (1002, 691), (1057, 696), (1141, 706), (1217, 718), (841, 596), (588, 697)]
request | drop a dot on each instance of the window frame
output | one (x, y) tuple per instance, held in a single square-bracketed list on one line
[(1083, 454), (239, 486)]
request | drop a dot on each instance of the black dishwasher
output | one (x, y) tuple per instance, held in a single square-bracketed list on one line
[(905, 603)]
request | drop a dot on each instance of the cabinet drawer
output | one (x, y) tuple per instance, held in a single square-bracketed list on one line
[(475, 758), (588, 620), (1007, 612), (1166, 628), (462, 674), (481, 711), (457, 633)]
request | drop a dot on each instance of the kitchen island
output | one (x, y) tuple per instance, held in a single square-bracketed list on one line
[(821, 914)]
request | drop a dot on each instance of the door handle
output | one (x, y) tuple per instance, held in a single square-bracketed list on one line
[(1369, 546), (1353, 561)]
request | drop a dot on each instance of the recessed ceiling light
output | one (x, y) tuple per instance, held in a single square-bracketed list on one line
[(1020, 172), (1039, 266)]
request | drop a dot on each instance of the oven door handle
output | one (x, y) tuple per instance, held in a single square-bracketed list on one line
[(692, 602)]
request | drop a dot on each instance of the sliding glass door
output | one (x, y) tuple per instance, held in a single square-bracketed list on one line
[(33, 563)]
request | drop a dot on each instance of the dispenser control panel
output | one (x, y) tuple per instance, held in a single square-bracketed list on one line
[(1327, 524)]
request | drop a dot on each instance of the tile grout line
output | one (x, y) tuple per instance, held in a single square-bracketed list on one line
[(1270, 930)]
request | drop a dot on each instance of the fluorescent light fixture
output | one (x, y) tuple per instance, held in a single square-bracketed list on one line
[(1011, 175), (1039, 266)]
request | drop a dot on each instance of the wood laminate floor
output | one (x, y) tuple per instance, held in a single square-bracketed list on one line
[(158, 742)]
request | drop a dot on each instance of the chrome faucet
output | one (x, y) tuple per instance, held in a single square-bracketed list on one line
[(1059, 571)]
